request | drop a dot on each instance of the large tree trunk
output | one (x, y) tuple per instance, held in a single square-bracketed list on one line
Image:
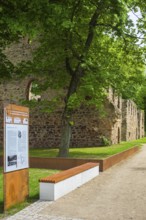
[(65, 137), (67, 115), (75, 80)]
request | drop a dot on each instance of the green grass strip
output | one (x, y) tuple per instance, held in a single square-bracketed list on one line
[(89, 152)]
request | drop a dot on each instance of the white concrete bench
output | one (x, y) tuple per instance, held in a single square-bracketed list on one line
[(58, 185)]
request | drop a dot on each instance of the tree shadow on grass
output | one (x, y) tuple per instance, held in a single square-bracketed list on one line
[(84, 155), (33, 198), (1, 207)]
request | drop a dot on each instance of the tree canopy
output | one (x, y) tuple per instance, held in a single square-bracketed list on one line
[(84, 47)]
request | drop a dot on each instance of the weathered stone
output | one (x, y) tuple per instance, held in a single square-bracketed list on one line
[(122, 119)]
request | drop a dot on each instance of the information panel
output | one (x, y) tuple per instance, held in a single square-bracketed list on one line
[(16, 120)]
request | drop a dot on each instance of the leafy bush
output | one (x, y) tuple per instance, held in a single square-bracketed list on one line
[(105, 141)]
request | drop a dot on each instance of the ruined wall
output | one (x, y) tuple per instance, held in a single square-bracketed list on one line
[(20, 51), (89, 127), (88, 130), (133, 121), (116, 101), (11, 92), (140, 125), (129, 125), (121, 119)]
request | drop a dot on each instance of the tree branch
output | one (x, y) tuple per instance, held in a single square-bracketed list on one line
[(70, 35), (69, 41), (115, 28), (74, 9), (136, 37), (68, 66), (92, 25)]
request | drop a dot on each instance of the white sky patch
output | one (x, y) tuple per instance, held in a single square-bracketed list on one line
[(134, 16)]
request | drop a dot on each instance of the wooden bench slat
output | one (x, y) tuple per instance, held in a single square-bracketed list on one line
[(68, 173)]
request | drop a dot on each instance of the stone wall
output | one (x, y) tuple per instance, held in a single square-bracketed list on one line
[(88, 130), (121, 119), (116, 101), (140, 125), (129, 120), (14, 91), (133, 121), (20, 51), (91, 128)]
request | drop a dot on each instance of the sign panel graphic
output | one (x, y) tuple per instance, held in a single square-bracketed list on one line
[(16, 120)]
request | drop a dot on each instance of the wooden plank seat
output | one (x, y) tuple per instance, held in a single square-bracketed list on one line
[(55, 178), (57, 185)]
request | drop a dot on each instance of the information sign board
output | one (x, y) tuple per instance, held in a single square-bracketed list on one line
[(16, 120)]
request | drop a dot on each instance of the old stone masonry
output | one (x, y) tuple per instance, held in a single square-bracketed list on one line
[(122, 120)]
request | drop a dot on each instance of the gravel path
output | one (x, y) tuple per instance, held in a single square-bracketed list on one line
[(116, 194)]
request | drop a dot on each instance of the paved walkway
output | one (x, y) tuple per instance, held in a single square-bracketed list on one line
[(116, 194)]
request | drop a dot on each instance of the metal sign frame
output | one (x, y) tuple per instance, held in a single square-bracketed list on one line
[(16, 154)]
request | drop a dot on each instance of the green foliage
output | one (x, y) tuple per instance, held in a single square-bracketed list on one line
[(6, 67), (105, 141), (71, 123), (43, 106), (113, 58), (74, 101), (84, 47)]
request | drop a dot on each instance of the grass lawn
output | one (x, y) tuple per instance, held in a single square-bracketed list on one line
[(92, 152), (34, 175), (88, 152)]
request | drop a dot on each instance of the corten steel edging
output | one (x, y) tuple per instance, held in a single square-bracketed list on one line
[(55, 163), (58, 163), (114, 159), (67, 163)]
